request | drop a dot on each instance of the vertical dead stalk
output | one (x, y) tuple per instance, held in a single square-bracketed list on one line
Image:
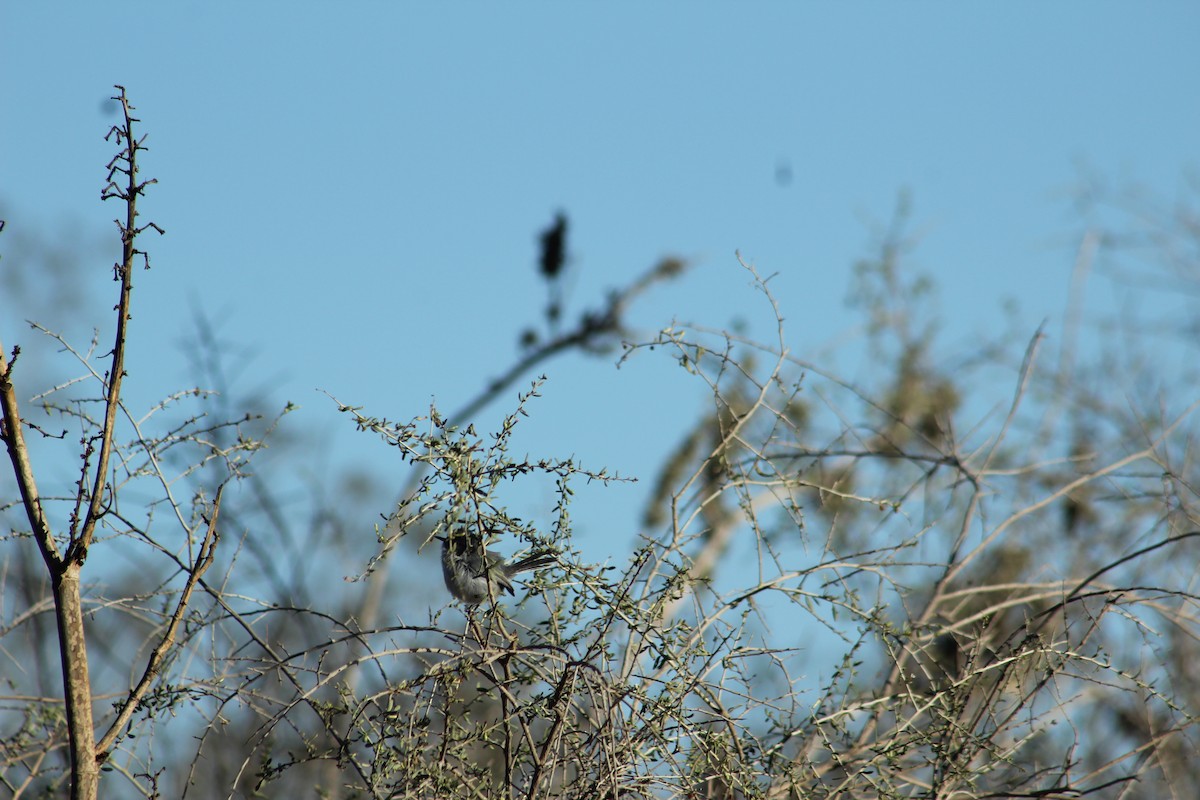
[(65, 568)]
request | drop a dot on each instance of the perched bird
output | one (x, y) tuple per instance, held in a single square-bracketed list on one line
[(473, 574)]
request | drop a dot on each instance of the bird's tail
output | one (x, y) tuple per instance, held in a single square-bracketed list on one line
[(533, 561)]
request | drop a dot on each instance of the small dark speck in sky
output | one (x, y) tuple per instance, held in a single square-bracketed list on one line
[(783, 172)]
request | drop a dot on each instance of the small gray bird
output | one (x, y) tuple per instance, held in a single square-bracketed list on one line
[(473, 574)]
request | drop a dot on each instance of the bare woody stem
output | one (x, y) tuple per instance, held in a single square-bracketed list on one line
[(204, 559), (18, 453), (65, 569), (124, 163)]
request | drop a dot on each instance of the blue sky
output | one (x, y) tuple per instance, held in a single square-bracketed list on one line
[(353, 192)]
